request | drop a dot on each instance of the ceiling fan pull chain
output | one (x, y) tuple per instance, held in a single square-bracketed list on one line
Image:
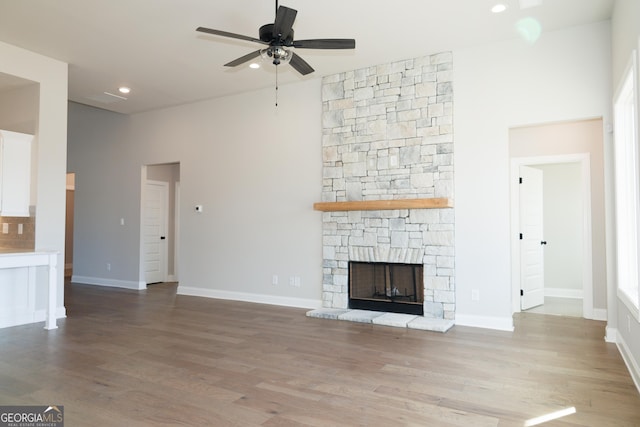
[(276, 85)]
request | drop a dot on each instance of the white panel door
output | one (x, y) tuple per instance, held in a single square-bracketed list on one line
[(531, 242), (154, 224)]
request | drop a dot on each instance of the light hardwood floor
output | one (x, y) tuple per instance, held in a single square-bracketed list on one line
[(126, 358)]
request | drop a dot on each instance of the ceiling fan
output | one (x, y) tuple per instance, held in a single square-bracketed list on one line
[(278, 37)]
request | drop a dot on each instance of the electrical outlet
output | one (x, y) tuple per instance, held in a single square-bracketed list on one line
[(108, 266), (475, 295), (296, 281), (274, 279), (292, 281)]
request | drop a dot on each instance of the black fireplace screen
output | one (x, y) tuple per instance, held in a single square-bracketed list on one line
[(386, 286)]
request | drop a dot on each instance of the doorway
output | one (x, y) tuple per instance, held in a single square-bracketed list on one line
[(159, 223), (564, 241), (577, 142), (69, 220)]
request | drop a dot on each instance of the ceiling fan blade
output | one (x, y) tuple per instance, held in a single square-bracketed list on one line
[(325, 44), (243, 59), (230, 35), (300, 65), (283, 27)]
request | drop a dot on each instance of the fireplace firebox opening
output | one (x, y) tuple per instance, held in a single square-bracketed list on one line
[(391, 287)]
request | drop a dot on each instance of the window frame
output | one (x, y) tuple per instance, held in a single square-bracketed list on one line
[(627, 186)]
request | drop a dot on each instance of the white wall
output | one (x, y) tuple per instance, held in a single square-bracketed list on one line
[(51, 133), (564, 76), (255, 168), (623, 327)]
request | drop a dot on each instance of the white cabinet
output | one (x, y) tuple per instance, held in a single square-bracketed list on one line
[(15, 173)]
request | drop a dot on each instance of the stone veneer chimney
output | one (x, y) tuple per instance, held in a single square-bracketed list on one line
[(388, 134)]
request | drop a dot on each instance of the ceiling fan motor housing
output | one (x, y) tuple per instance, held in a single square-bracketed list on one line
[(266, 35)]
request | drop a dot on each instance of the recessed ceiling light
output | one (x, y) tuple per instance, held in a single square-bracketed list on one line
[(499, 8), (124, 89), (254, 65)]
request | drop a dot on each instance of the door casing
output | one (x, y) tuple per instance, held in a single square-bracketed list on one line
[(587, 268)]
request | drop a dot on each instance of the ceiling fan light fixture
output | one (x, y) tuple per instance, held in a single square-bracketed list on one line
[(276, 54), (254, 65), (124, 89)]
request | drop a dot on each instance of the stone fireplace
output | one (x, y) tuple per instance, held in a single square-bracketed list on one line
[(387, 193)]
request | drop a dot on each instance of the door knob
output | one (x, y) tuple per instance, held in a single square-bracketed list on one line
[(544, 242), (162, 238)]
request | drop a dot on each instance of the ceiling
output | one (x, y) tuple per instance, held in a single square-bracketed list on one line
[(152, 47)]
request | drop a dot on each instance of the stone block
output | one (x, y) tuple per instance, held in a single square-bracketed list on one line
[(401, 130), (444, 188), (326, 313), (437, 283), (397, 320), (355, 169), (433, 310), (409, 155), (441, 58), (332, 172), (431, 324), (328, 252), (445, 261), (421, 180), (330, 154), (364, 93), (332, 119), (445, 88), (444, 296), (438, 238), (399, 239)]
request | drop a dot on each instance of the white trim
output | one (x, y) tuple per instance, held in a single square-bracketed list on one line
[(587, 254), (10, 318), (631, 363), (486, 322), (113, 283), (246, 297), (600, 314), (176, 233), (563, 293), (611, 335), (633, 309), (630, 76)]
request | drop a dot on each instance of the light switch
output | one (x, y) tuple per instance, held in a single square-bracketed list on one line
[(5, 228), (20, 228)]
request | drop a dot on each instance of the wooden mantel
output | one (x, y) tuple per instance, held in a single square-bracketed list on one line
[(380, 205)]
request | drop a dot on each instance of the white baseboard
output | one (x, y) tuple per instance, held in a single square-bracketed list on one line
[(563, 293), (245, 297), (611, 335), (632, 364), (486, 322), (9, 318), (99, 281), (599, 314)]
